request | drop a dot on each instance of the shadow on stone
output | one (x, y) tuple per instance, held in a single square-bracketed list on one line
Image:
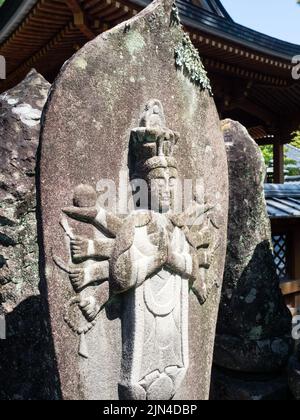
[(255, 309), (26, 369), (54, 388), (256, 325), (234, 386)]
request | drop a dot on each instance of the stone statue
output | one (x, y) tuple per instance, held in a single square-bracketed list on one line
[(152, 258)]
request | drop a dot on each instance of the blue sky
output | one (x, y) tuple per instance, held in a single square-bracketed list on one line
[(278, 18)]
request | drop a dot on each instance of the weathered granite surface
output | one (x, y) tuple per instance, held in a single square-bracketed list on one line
[(254, 325), (99, 97), (23, 355)]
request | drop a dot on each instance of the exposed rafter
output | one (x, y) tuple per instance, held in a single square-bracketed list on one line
[(252, 109), (81, 20)]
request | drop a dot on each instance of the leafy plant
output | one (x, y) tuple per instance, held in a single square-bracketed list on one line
[(289, 164), (267, 152), (296, 135)]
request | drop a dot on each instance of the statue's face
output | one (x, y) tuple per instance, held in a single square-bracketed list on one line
[(162, 186)]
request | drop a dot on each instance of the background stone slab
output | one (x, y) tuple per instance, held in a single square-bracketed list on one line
[(25, 356), (254, 324)]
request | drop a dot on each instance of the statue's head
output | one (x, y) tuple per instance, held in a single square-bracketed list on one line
[(161, 181), (151, 157)]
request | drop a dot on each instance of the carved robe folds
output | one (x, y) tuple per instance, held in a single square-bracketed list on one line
[(155, 321)]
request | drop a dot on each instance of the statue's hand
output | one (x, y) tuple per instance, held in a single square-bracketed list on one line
[(77, 278), (79, 248), (163, 247), (89, 308), (159, 257), (165, 240), (83, 214), (171, 254)]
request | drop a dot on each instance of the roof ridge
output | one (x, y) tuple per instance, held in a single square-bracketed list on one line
[(293, 147)]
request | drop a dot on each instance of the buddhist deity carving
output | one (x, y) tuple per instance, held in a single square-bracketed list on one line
[(153, 259)]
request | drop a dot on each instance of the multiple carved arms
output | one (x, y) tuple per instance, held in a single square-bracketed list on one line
[(83, 249), (137, 248), (101, 219), (83, 277)]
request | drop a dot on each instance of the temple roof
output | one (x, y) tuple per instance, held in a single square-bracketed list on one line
[(250, 71), (11, 15), (213, 6), (283, 200), (207, 15), (216, 21)]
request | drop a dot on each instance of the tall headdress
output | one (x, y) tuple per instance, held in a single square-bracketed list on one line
[(152, 143)]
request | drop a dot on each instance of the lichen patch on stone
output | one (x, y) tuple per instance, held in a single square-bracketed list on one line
[(134, 42), (28, 115), (12, 101), (80, 63), (188, 60), (9, 99)]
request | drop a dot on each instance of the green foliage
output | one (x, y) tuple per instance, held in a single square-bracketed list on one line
[(296, 137), (1, 2), (267, 152), (187, 58)]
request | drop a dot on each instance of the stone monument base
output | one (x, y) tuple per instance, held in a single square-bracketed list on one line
[(238, 386)]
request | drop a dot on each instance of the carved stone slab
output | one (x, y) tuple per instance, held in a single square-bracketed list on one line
[(113, 279)]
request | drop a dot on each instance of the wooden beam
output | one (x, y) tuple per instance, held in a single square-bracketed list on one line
[(278, 162), (80, 19), (290, 287), (21, 71), (234, 69), (296, 251), (257, 111), (267, 141)]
